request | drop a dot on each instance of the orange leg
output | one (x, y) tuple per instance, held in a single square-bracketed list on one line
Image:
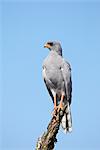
[(61, 103), (55, 106), (55, 103)]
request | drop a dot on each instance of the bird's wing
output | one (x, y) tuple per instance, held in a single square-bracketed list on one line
[(47, 82), (66, 72), (50, 93)]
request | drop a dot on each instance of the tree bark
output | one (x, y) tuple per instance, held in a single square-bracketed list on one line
[(48, 139)]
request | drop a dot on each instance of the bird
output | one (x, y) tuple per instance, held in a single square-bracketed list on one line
[(56, 72)]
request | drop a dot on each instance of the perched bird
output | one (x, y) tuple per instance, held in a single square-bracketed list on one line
[(57, 77)]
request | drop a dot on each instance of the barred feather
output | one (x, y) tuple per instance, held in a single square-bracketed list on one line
[(66, 122)]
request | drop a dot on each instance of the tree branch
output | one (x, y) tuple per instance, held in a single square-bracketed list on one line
[(48, 139)]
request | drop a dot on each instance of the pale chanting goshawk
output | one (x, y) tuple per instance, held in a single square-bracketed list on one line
[(57, 77)]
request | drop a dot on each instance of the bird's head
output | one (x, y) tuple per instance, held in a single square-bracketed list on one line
[(54, 46)]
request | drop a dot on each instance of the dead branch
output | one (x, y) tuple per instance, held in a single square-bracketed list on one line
[(48, 139)]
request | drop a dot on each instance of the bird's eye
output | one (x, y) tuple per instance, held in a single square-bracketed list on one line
[(50, 43)]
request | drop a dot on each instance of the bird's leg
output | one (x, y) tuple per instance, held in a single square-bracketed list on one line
[(55, 102), (55, 105), (61, 103)]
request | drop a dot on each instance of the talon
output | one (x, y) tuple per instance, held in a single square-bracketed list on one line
[(54, 112), (55, 108), (60, 107)]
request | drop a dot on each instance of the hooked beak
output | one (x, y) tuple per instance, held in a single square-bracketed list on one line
[(47, 46)]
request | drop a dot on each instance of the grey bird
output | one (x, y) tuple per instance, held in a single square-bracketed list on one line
[(57, 77)]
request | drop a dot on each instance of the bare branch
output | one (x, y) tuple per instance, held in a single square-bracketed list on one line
[(48, 139)]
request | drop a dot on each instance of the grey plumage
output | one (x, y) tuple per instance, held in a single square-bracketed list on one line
[(57, 77)]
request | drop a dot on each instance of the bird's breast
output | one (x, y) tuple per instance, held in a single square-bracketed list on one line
[(54, 75)]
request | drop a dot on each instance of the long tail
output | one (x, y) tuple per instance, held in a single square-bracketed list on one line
[(66, 122)]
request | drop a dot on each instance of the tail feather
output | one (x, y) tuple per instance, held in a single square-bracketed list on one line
[(66, 122)]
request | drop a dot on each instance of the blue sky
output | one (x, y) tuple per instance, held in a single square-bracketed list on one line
[(25, 103)]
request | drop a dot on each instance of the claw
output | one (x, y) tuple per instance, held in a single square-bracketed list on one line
[(57, 109), (60, 107), (54, 111)]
